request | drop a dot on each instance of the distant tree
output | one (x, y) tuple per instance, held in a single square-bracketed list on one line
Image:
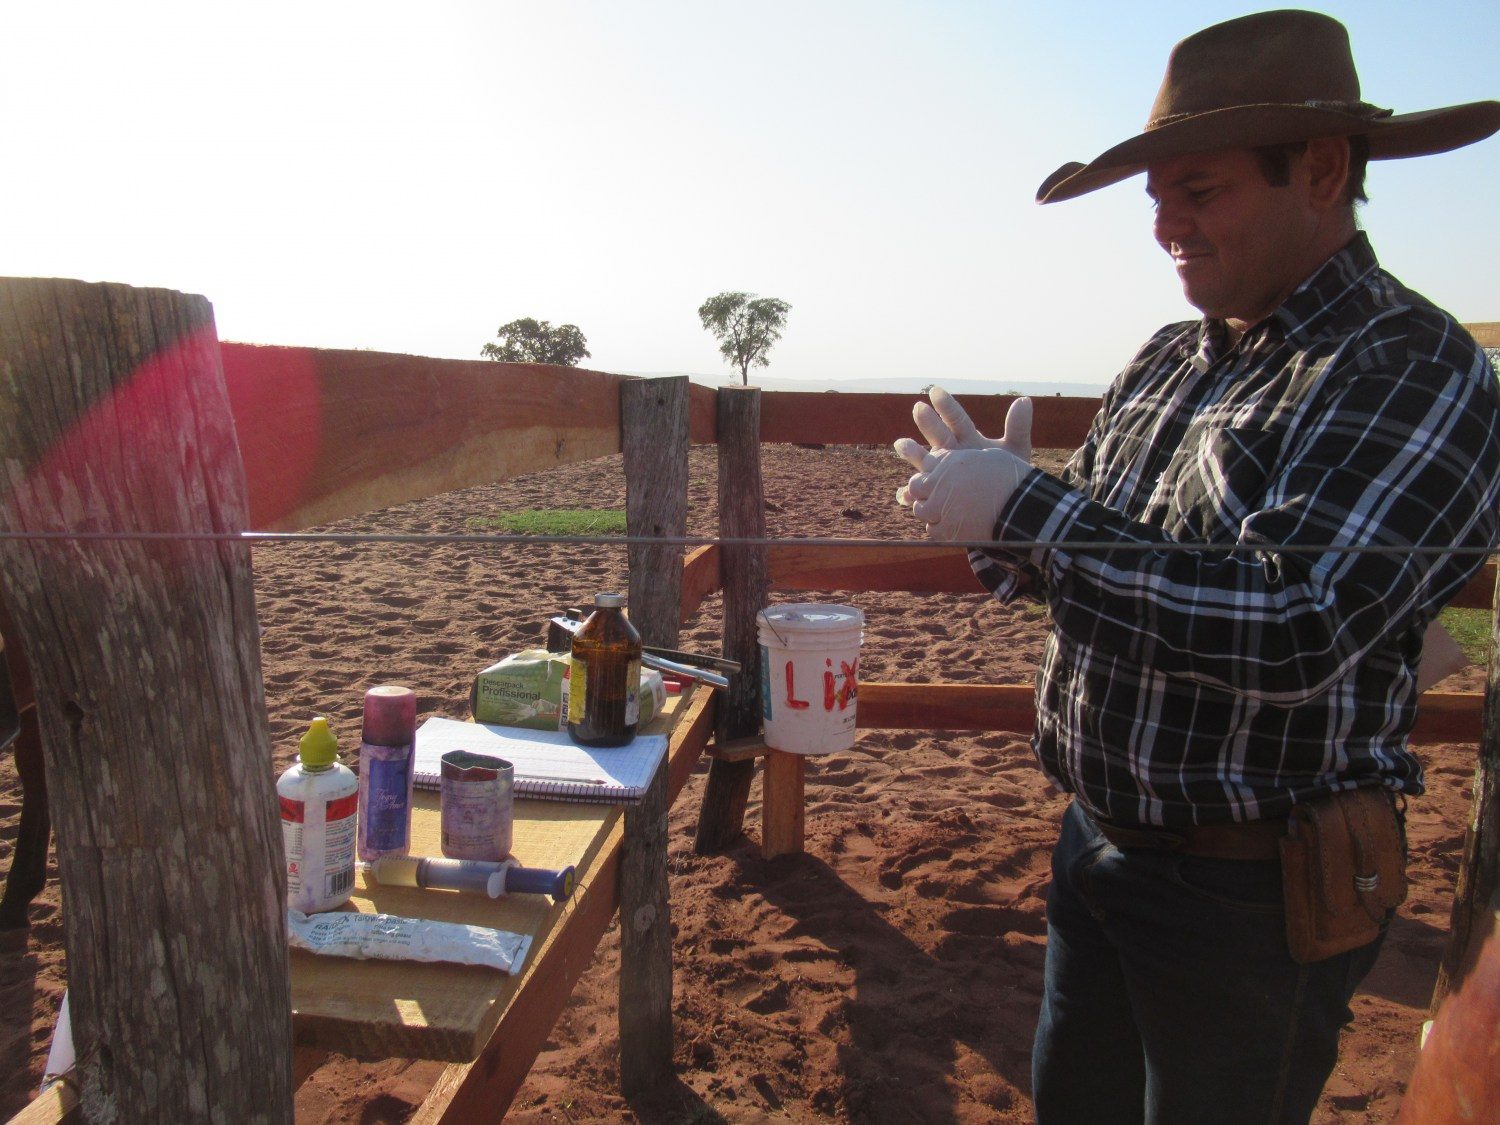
[(536, 341), (746, 327)]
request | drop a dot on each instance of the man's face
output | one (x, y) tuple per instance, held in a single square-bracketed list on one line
[(1240, 245)]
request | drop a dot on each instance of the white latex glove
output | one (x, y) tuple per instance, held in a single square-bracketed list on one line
[(947, 426), (959, 493)]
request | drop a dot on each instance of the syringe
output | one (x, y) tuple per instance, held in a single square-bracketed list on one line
[(482, 876)]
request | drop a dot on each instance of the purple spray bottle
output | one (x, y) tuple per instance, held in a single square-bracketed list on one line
[(387, 755)]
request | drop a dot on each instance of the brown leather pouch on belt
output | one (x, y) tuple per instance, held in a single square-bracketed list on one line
[(1343, 867)]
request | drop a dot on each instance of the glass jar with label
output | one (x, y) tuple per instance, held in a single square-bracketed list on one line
[(604, 676)]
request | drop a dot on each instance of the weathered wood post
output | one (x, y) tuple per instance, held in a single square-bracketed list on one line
[(654, 437), (746, 583), (1476, 895), (146, 661)]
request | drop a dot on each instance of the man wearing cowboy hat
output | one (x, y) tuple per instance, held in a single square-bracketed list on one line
[(1240, 563)]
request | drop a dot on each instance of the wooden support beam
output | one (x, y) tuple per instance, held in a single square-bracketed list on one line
[(654, 437), (1456, 1078), (1477, 891), (56, 1105), (145, 659), (483, 1089), (783, 804), (738, 750), (742, 514)]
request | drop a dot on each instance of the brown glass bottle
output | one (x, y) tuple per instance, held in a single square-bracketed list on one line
[(604, 676)]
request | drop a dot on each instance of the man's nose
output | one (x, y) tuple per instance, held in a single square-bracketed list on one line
[(1170, 224)]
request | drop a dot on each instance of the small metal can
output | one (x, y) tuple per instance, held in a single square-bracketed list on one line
[(478, 802)]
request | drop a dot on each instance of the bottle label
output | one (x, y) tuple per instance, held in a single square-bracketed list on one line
[(633, 693), (332, 873), (578, 682), (387, 812)]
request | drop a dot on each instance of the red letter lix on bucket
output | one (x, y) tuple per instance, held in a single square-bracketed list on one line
[(809, 675)]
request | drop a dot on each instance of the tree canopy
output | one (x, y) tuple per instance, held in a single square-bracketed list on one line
[(535, 341), (746, 327)]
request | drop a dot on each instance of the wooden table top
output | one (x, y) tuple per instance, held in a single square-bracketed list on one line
[(384, 1009)]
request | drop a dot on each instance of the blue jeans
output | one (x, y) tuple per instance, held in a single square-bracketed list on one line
[(1170, 995)]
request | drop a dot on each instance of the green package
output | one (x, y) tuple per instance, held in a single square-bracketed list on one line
[(530, 689)]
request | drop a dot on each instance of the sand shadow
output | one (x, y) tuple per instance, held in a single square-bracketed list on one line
[(913, 1016), (674, 1101), (1407, 968)]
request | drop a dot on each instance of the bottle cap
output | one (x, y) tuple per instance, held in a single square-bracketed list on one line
[(609, 601), (318, 746), (390, 716)]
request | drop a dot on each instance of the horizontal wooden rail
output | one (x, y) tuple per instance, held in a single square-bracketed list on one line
[(701, 579), (1441, 716), (918, 570), (946, 707), (928, 570)]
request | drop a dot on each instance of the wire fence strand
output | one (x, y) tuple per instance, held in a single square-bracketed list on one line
[(1078, 546)]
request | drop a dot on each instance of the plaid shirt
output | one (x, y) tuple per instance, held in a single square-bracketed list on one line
[(1194, 687)]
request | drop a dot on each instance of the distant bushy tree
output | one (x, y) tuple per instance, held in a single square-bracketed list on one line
[(536, 341), (746, 327)]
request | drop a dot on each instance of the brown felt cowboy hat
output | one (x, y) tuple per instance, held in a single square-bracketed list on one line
[(1265, 79)]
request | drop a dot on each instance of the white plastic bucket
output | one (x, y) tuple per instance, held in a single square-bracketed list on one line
[(809, 675)]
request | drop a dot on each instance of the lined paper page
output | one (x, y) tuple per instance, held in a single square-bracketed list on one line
[(548, 763)]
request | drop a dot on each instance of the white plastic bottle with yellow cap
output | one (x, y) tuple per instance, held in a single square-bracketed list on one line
[(319, 802)]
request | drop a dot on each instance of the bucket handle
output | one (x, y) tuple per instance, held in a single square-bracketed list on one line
[(772, 626)]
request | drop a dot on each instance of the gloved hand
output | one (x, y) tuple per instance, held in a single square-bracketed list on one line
[(947, 426), (959, 493)]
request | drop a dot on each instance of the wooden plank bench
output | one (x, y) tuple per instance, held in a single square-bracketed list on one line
[(489, 1026)]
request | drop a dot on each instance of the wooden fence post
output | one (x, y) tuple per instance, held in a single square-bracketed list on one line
[(1477, 892), (746, 584), (146, 663), (654, 437)]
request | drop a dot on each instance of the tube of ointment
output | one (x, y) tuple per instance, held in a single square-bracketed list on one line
[(480, 876)]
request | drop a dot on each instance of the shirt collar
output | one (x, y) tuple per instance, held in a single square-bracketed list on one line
[(1298, 318), (1302, 314)]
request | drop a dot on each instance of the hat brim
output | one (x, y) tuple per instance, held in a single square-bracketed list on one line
[(1410, 134)]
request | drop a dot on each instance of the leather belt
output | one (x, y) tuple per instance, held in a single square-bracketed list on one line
[(1255, 839)]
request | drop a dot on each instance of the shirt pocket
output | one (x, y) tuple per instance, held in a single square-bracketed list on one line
[(1221, 478)]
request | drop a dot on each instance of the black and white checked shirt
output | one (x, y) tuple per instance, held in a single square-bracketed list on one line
[(1198, 687)]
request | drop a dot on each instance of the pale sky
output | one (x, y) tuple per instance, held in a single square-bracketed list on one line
[(408, 177)]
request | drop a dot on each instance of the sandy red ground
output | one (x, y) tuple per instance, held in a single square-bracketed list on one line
[(890, 974)]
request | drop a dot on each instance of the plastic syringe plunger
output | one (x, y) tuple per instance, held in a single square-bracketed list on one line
[(475, 875), (540, 881)]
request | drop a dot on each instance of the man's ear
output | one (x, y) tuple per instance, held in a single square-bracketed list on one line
[(1326, 165)]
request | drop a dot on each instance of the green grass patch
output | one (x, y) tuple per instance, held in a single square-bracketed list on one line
[(1471, 629), (553, 521)]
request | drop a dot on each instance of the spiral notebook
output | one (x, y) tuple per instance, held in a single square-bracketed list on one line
[(549, 765)]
